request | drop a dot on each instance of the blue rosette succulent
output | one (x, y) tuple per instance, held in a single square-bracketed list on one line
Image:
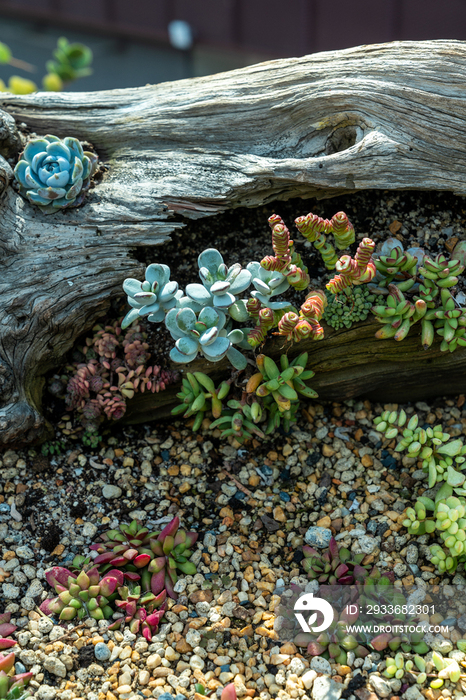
[(55, 174), (220, 285), (268, 284), (203, 333), (152, 298)]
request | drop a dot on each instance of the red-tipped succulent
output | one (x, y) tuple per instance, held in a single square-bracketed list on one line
[(335, 565), (81, 595), (143, 611), (134, 548), (12, 686), (6, 628)]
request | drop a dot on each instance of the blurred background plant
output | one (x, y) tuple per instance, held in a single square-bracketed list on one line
[(70, 62)]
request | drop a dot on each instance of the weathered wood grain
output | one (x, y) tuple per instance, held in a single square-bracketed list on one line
[(385, 116)]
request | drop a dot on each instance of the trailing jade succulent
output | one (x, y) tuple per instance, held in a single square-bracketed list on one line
[(54, 173), (155, 556)]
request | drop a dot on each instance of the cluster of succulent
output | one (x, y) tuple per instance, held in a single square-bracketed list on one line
[(72, 61), (353, 305), (315, 230), (79, 595), (278, 388), (12, 687), (86, 594), (155, 556), (110, 368), (396, 667), (286, 260), (334, 566), (129, 579), (398, 314), (448, 521), (270, 394), (396, 266), (201, 319), (430, 444), (306, 324), (354, 271), (55, 173), (430, 281)]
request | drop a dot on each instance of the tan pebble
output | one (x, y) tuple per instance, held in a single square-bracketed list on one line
[(277, 659), (288, 648), (343, 670), (263, 632), (162, 672), (153, 661), (287, 450), (79, 643), (58, 646), (183, 647), (110, 695), (184, 487), (125, 653), (124, 679), (8, 555), (249, 574), (174, 470), (96, 640), (201, 596), (135, 656), (143, 677), (197, 623), (213, 566), (279, 514), (226, 512), (254, 480), (328, 451), (122, 689), (247, 631), (128, 462), (436, 618), (324, 522)]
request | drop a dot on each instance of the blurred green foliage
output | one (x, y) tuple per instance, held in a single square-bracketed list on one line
[(71, 62)]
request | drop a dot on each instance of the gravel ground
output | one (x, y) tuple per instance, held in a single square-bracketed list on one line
[(253, 506), (252, 509)]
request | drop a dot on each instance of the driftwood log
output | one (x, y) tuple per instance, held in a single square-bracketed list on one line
[(388, 116)]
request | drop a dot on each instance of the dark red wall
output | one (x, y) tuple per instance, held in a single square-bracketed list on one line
[(269, 27)]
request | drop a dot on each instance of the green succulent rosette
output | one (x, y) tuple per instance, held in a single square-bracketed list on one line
[(55, 174)]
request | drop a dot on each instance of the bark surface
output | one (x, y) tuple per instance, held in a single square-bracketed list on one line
[(387, 116)]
